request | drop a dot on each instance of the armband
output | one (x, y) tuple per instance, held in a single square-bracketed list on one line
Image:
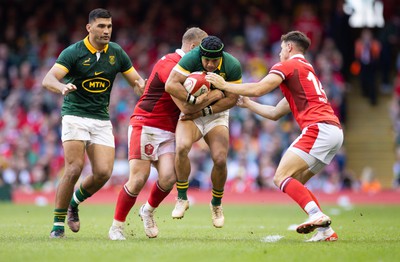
[(207, 111), (191, 99)]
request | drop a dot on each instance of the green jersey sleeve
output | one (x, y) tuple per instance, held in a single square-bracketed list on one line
[(67, 57)]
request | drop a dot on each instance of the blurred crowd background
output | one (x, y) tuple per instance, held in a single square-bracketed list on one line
[(34, 32)]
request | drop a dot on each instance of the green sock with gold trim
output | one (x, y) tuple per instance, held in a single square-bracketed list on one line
[(217, 197), (79, 196), (182, 187), (59, 218)]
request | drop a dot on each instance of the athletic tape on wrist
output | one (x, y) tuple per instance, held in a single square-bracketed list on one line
[(207, 111), (191, 99)]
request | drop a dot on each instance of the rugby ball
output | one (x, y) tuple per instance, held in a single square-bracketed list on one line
[(196, 83)]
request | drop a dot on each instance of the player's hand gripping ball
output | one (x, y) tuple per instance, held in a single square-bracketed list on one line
[(196, 84)]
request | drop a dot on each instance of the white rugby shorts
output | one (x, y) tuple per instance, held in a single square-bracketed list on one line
[(206, 123), (92, 131), (148, 143), (318, 144)]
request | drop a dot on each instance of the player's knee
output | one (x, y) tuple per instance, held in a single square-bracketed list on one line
[(181, 151), (102, 176), (219, 160), (136, 183), (167, 183), (72, 171)]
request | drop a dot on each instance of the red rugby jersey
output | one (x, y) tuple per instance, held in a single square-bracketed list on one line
[(155, 107), (304, 92)]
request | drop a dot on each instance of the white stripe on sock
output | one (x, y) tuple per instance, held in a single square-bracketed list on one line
[(129, 193), (76, 199), (283, 184)]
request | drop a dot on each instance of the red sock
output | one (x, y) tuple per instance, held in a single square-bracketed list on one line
[(125, 202), (157, 195), (314, 198), (297, 191)]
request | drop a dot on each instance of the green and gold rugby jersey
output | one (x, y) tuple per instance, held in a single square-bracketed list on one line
[(92, 76), (229, 67)]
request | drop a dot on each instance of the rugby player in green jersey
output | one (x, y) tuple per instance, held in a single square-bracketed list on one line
[(84, 74), (210, 123)]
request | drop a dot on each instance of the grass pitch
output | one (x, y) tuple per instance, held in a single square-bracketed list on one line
[(251, 233)]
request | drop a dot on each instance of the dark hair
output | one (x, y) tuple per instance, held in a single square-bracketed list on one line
[(298, 38), (98, 13), (211, 47)]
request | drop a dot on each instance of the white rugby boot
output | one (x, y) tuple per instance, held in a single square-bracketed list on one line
[(116, 233), (150, 226), (316, 221), (217, 216), (181, 206), (324, 235)]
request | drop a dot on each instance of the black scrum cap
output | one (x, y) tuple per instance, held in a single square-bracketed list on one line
[(211, 47)]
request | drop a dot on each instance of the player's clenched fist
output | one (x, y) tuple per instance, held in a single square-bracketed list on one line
[(68, 88)]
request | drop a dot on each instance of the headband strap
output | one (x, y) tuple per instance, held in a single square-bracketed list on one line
[(211, 53)]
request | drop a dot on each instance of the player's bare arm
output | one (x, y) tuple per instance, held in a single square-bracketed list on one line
[(228, 101), (187, 108), (266, 85), (174, 86), (52, 81), (225, 103), (135, 81), (267, 111)]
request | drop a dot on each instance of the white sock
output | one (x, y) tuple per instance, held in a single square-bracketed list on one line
[(312, 208), (148, 207), (118, 223)]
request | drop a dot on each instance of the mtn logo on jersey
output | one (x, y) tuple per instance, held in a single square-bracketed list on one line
[(96, 84)]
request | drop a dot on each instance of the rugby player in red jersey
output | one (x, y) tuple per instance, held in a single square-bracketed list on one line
[(321, 136), (152, 141)]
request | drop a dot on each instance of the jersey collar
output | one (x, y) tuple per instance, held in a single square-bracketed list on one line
[(91, 48), (180, 52), (297, 56), (220, 63)]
